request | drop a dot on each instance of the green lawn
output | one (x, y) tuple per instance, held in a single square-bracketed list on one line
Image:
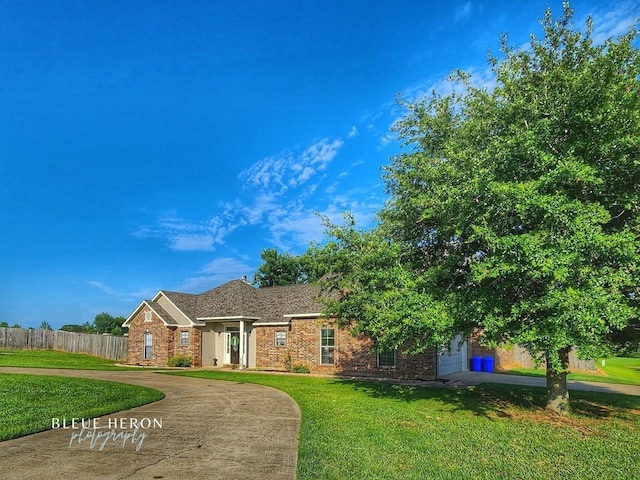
[(367, 430), (29, 402), (615, 370), (55, 359)]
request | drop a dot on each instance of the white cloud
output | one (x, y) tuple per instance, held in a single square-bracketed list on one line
[(322, 152), (144, 293), (463, 12), (294, 226), (307, 173), (192, 242), (186, 235), (279, 173), (615, 22), (353, 133), (279, 195), (216, 272), (101, 286), (269, 173), (386, 140)]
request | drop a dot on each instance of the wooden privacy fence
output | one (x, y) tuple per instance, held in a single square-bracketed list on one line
[(104, 346), (520, 358)]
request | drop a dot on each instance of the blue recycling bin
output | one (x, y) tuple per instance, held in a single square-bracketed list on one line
[(487, 364), (476, 364)]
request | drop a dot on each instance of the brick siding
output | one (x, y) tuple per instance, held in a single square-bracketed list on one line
[(166, 341), (352, 355)]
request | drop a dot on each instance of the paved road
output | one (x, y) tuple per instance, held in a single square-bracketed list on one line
[(210, 430)]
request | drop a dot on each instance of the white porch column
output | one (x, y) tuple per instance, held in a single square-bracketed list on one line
[(243, 361)]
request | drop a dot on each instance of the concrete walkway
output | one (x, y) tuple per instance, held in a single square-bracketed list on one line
[(468, 379), (210, 430)]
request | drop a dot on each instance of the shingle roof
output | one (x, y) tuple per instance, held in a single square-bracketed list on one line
[(239, 299), (186, 302), (232, 299), (164, 315), (276, 302)]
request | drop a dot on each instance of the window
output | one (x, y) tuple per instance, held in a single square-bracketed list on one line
[(148, 344), (387, 358), (281, 338), (327, 346), (184, 338)]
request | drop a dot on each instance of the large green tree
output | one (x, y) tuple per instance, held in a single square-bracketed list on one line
[(513, 209), (105, 323), (284, 269)]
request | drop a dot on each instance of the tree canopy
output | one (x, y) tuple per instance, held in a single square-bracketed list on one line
[(284, 269), (105, 323), (513, 209), (86, 327)]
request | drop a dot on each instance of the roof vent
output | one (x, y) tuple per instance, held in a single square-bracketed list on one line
[(244, 279)]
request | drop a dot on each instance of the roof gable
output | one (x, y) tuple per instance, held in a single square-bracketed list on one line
[(156, 308), (184, 303)]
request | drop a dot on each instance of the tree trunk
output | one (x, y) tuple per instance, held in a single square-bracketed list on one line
[(557, 392)]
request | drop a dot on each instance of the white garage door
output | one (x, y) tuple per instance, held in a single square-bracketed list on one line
[(454, 361)]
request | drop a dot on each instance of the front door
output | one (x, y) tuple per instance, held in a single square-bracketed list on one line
[(232, 347)]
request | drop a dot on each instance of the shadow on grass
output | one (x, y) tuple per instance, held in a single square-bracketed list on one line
[(500, 400)]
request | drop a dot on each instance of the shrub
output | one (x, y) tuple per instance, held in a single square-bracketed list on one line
[(300, 369), (180, 361)]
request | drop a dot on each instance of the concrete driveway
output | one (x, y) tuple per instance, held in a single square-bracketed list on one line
[(210, 430), (468, 379)]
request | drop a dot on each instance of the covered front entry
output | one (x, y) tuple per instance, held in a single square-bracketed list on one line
[(228, 341), (232, 346)]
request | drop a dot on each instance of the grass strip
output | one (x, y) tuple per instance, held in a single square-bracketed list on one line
[(55, 359), (615, 370)]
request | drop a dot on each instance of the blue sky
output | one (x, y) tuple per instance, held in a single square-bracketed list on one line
[(149, 145)]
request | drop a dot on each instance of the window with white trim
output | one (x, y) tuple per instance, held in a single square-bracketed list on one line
[(184, 339), (281, 338), (327, 346), (148, 345), (386, 358)]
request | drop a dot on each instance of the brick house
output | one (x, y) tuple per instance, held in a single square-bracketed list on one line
[(274, 328)]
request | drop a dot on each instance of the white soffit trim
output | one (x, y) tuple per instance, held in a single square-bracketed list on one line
[(157, 296), (128, 321), (302, 315), (271, 324), (223, 319)]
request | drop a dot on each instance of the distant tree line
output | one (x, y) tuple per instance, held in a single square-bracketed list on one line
[(102, 323), (6, 325)]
